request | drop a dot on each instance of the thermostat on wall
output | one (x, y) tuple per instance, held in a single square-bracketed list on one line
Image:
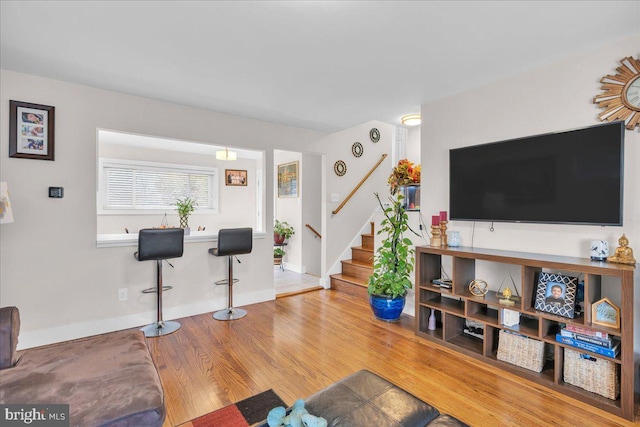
[(56, 192)]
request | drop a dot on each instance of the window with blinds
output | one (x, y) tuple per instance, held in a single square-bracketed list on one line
[(135, 186)]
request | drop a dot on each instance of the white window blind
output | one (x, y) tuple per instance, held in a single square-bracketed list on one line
[(144, 185)]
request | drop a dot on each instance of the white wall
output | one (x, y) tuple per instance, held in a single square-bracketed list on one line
[(413, 148), (552, 98), (311, 185), (288, 209), (341, 228), (49, 264)]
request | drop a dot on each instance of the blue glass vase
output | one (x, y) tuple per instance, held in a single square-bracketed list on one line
[(385, 308)]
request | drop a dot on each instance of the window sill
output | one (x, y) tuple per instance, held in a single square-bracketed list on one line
[(122, 240)]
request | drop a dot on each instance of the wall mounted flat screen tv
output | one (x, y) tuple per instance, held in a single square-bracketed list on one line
[(571, 177)]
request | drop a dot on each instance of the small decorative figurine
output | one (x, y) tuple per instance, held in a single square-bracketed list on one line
[(507, 294), (478, 288), (623, 253), (507, 297)]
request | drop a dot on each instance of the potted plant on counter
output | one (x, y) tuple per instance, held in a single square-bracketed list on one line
[(185, 207), (393, 263), (282, 230)]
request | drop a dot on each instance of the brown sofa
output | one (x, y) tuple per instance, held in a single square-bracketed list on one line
[(107, 380)]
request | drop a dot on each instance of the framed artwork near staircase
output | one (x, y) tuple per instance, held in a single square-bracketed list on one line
[(288, 179)]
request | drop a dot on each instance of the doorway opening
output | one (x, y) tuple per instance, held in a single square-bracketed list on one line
[(298, 201)]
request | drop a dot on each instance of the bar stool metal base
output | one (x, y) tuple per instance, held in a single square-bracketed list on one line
[(229, 314), (159, 329)]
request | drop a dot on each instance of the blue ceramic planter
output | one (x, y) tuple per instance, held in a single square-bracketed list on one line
[(385, 308)]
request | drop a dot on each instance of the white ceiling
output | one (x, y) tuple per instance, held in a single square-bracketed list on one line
[(317, 65)]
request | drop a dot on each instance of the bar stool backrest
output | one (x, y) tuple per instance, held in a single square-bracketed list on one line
[(160, 243), (234, 241)]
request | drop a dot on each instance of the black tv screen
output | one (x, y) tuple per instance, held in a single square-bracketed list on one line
[(573, 177)]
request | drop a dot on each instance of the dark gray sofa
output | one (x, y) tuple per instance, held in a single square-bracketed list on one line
[(107, 380)]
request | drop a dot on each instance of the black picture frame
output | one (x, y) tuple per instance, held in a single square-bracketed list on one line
[(31, 131), (548, 299)]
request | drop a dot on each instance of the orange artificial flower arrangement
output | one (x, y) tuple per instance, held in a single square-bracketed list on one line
[(406, 173)]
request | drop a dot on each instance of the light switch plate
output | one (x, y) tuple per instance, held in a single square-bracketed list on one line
[(335, 197)]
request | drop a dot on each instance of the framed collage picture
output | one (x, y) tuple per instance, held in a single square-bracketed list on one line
[(31, 131)]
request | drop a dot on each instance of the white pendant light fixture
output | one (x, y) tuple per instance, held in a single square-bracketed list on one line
[(411, 120), (226, 155)]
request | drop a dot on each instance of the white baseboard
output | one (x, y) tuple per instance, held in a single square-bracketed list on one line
[(409, 307), (295, 268), (324, 282), (29, 339)]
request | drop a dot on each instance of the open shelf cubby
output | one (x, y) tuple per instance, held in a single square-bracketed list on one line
[(457, 307)]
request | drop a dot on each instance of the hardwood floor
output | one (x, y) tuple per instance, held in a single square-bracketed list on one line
[(301, 344)]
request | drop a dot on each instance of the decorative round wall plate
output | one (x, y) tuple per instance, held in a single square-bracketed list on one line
[(374, 134), (340, 168), (357, 149), (621, 94)]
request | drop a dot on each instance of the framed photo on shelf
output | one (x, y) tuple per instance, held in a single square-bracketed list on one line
[(288, 179), (31, 130), (235, 177), (605, 313), (556, 294)]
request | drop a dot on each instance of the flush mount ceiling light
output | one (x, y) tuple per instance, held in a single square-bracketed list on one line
[(411, 120), (226, 155)]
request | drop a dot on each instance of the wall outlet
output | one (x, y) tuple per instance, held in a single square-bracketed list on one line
[(123, 294)]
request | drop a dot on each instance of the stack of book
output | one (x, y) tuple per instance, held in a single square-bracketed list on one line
[(587, 339)]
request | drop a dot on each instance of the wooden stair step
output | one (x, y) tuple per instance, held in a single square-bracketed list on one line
[(362, 254), (367, 240), (357, 281), (349, 285), (357, 269)]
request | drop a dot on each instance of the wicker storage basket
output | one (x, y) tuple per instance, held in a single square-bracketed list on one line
[(592, 374), (521, 351)]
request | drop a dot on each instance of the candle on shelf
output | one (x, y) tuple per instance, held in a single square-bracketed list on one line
[(435, 220), (443, 215)]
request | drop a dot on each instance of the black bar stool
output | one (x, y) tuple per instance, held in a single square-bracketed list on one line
[(159, 245), (232, 242)]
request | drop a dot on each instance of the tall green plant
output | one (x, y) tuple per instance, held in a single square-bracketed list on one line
[(393, 261)]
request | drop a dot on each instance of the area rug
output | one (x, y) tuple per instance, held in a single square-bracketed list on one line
[(242, 414)]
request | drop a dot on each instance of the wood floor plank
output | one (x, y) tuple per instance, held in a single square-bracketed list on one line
[(303, 343)]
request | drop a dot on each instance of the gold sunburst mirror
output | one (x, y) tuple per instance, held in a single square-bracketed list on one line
[(621, 94)]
